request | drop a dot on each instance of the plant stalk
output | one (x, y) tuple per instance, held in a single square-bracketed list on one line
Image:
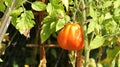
[(43, 60), (79, 59), (6, 20), (87, 51)]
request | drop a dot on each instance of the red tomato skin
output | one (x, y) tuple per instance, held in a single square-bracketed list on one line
[(71, 37)]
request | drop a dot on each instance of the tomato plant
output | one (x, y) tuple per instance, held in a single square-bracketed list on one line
[(100, 23), (71, 37)]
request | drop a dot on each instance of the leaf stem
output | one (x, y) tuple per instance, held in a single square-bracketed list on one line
[(75, 10)]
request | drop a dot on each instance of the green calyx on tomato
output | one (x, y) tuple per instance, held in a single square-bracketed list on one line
[(71, 37)]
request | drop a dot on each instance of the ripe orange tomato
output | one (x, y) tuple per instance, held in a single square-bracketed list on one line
[(71, 37)]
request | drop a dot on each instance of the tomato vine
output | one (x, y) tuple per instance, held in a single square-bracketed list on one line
[(100, 22)]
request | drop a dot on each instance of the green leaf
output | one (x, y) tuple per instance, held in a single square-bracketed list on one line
[(60, 13), (45, 32), (1, 60), (111, 26), (116, 3), (19, 3), (2, 6), (15, 64), (117, 12), (119, 60), (60, 24), (107, 4), (17, 12), (67, 19), (53, 26), (97, 29), (54, 2), (25, 23), (38, 6), (54, 53), (93, 13), (66, 3), (112, 53), (96, 42), (13, 21), (91, 26), (50, 8), (49, 19), (101, 19), (108, 15), (56, 12), (50, 25), (8, 3)]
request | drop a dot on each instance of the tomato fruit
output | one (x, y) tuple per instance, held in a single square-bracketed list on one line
[(71, 37)]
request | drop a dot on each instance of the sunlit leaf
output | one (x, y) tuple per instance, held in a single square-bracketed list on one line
[(101, 19), (17, 12), (67, 18), (53, 26), (111, 26), (116, 3), (55, 10), (61, 22), (93, 13), (19, 3), (117, 12), (54, 2), (97, 42), (50, 8), (107, 3), (66, 3), (25, 23), (38, 6), (15, 64), (49, 19), (119, 60), (108, 16), (1, 60), (91, 62), (8, 2), (91, 26), (45, 32)]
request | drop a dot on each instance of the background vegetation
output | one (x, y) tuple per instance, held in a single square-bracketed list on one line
[(29, 28)]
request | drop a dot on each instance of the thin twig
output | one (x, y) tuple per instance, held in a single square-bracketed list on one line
[(11, 40), (59, 58), (36, 46), (6, 20)]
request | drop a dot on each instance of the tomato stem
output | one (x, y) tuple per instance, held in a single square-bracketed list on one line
[(87, 50), (75, 11)]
